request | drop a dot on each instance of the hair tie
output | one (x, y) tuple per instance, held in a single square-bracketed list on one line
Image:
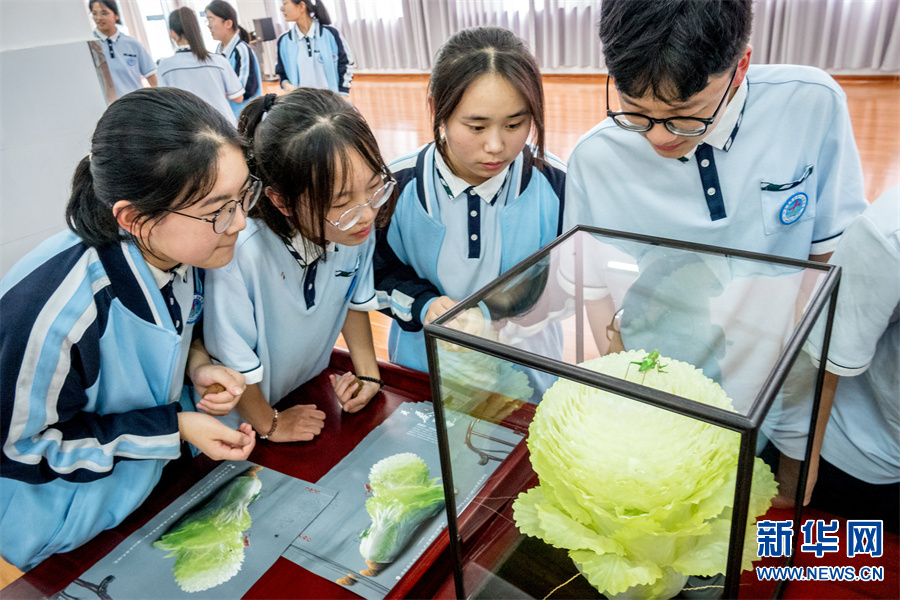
[(268, 103)]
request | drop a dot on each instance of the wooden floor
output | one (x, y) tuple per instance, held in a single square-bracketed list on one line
[(396, 109)]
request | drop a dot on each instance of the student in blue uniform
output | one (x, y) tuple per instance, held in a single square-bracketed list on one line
[(703, 147), (477, 200), (275, 312), (234, 44), (127, 59), (196, 70), (313, 53), (859, 472), (98, 323)]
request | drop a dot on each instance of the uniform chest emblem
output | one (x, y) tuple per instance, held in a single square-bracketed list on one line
[(196, 309), (794, 208)]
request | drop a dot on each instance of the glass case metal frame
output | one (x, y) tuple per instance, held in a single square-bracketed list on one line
[(747, 426)]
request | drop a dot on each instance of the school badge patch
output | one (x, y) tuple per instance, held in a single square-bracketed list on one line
[(794, 208), (196, 309)]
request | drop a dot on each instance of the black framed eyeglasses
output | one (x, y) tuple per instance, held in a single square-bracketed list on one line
[(685, 126), (224, 217), (351, 217)]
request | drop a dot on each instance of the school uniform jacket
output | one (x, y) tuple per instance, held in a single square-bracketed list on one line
[(242, 59), (332, 50), (87, 356), (406, 255)]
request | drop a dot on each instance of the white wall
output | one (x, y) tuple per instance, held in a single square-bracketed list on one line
[(51, 100)]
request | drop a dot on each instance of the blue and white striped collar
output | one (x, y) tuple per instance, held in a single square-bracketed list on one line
[(227, 50), (725, 131), (114, 37), (162, 278), (487, 191), (305, 251), (315, 30)]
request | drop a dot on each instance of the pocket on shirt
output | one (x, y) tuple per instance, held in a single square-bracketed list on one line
[(786, 201)]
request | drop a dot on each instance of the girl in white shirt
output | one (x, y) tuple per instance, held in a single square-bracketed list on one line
[(195, 69)]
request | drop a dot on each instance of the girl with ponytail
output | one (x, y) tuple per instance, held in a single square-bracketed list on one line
[(234, 44), (195, 69), (98, 325), (302, 272), (313, 52)]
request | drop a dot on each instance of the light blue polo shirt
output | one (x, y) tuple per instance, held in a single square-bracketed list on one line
[(127, 60), (310, 60), (470, 255), (184, 307), (213, 79), (863, 434), (780, 174), (275, 313), (789, 181)]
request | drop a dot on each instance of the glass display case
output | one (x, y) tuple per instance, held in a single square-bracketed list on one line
[(666, 401)]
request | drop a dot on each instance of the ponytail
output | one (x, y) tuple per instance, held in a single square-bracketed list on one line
[(86, 215), (184, 23), (319, 11), (316, 9), (156, 148), (245, 37), (251, 118)]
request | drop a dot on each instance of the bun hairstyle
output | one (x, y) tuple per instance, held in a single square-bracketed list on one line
[(184, 23), (478, 51), (301, 144), (111, 5), (226, 12), (315, 8), (158, 148)]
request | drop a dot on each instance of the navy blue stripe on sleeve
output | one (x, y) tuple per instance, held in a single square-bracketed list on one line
[(253, 83)]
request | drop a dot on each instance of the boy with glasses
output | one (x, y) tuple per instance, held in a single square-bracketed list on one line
[(760, 158), (703, 147)]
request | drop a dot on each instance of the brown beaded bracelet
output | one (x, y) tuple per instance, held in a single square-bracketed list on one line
[(372, 379), (274, 425)]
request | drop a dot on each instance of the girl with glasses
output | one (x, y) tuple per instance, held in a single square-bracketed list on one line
[(479, 198), (98, 324), (302, 272)]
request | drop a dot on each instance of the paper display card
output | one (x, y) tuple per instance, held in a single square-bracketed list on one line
[(214, 541), (408, 505)]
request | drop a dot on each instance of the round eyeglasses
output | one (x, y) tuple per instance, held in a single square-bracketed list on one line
[(224, 217), (351, 217), (684, 126)]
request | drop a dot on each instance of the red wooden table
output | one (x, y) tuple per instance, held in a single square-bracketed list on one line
[(484, 533), (305, 460)]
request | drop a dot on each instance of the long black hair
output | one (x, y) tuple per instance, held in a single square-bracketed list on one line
[(158, 149), (184, 23), (478, 51), (226, 12), (315, 8), (306, 136)]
